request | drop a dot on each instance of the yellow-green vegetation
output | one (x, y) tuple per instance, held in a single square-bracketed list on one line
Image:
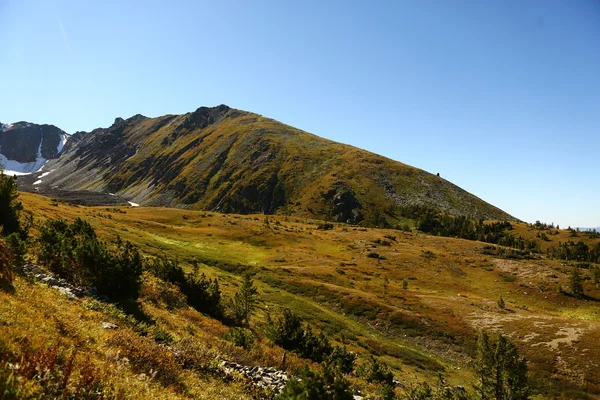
[(227, 160), (417, 306)]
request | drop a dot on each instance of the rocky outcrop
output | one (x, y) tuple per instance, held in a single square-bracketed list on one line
[(345, 207), (39, 274), (269, 379), (21, 141)]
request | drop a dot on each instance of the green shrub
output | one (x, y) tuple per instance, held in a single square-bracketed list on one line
[(342, 359), (328, 384), (10, 207), (162, 336), (18, 247), (325, 227), (202, 293), (240, 337), (373, 371), (73, 252), (290, 333)]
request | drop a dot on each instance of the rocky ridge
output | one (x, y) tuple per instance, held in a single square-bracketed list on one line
[(232, 161)]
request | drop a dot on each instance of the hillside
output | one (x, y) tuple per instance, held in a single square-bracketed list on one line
[(232, 161), (417, 305)]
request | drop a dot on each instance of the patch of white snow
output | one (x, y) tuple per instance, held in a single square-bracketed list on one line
[(61, 144), (132, 204), (15, 168), (37, 182), (45, 173)]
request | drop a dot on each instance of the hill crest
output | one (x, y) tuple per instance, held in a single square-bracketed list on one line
[(228, 160)]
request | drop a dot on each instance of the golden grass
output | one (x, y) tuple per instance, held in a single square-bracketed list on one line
[(329, 280)]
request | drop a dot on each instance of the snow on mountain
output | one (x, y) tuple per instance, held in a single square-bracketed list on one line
[(12, 167), (63, 141)]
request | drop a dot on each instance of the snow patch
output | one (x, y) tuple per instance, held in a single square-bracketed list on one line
[(45, 173), (132, 204), (37, 182), (62, 142), (16, 168)]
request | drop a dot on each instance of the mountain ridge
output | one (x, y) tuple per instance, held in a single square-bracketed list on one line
[(229, 160)]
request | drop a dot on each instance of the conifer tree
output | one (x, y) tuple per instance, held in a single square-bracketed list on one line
[(244, 301), (575, 281), (483, 365), (501, 372)]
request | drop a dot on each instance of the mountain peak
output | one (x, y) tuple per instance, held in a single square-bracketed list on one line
[(223, 159)]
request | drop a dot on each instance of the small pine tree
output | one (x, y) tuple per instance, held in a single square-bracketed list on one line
[(10, 207), (244, 301), (404, 283), (501, 303), (501, 372), (576, 282), (483, 365)]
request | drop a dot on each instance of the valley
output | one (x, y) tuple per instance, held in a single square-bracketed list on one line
[(413, 300)]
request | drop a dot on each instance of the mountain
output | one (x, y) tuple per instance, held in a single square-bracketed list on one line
[(26, 147), (227, 160)]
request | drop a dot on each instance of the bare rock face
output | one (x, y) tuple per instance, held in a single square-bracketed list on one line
[(345, 207), (22, 141)]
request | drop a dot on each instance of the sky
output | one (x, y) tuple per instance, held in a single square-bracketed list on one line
[(501, 98)]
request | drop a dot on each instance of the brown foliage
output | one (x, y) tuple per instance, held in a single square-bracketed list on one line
[(6, 269), (147, 356)]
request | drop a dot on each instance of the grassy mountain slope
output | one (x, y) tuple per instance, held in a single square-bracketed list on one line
[(331, 279), (227, 160)]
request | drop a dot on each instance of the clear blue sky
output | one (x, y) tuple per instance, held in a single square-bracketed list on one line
[(499, 97)]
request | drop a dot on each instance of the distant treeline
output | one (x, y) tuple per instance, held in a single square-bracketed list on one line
[(433, 222), (575, 252)]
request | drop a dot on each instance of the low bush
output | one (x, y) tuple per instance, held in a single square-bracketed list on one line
[(240, 337), (146, 356), (74, 252), (202, 293), (52, 373), (373, 371), (327, 384), (290, 333)]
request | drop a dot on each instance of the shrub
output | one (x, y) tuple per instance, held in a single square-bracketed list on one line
[(203, 294), (74, 252), (342, 359), (325, 227), (501, 303), (375, 255), (244, 302), (148, 357), (328, 384), (373, 371), (10, 207), (52, 374), (18, 247), (240, 337), (290, 333), (161, 336), (162, 293)]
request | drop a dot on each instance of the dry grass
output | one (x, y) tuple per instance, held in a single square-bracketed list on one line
[(329, 280)]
